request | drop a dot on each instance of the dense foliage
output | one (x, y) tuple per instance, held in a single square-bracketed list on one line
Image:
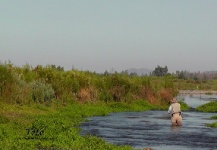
[(41, 107), (56, 127), (160, 71), (26, 85)]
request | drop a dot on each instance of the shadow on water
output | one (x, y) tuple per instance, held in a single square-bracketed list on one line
[(152, 129)]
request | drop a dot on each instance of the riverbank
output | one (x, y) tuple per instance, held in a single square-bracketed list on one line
[(197, 92), (56, 127)]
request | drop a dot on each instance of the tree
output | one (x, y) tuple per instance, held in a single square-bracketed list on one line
[(160, 71), (182, 74)]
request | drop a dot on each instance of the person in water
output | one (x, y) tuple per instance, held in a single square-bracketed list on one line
[(175, 112)]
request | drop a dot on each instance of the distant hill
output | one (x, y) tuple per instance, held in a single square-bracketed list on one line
[(140, 71)]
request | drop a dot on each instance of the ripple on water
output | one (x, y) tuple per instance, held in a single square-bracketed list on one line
[(152, 128)]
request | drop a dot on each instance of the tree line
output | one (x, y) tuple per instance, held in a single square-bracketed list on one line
[(160, 71), (44, 84)]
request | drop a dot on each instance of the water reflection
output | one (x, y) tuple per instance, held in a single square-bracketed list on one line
[(175, 129)]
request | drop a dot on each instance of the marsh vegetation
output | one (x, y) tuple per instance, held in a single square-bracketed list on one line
[(42, 107)]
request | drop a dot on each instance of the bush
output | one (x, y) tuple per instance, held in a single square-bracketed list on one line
[(6, 82), (41, 92), (22, 92)]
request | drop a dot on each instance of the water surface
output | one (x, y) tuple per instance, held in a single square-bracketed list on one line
[(195, 100), (152, 129)]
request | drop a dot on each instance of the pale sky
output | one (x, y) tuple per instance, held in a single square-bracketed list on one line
[(99, 35)]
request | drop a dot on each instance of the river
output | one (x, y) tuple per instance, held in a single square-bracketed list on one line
[(152, 128)]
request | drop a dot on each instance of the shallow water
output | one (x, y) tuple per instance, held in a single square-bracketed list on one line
[(152, 129), (195, 100)]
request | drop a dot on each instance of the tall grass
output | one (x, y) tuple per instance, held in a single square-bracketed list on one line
[(25, 85), (42, 107), (41, 127)]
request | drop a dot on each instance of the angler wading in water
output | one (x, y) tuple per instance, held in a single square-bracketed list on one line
[(175, 112)]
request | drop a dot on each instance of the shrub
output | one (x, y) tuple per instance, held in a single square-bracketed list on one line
[(22, 92), (41, 92), (6, 82)]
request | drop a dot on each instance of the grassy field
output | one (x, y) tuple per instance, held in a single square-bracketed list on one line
[(56, 127), (37, 126)]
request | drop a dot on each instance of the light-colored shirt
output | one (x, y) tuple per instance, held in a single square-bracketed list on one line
[(174, 108), (170, 109)]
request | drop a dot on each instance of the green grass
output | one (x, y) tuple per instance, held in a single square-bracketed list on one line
[(214, 117), (56, 127), (208, 107), (184, 106), (40, 127), (213, 125)]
